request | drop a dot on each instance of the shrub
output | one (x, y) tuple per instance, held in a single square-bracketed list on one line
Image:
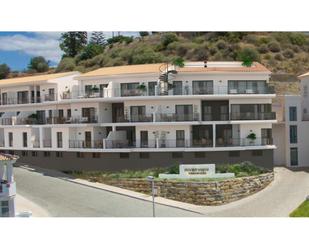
[(278, 57), (274, 47), (213, 51), (297, 38), (168, 38), (241, 169), (288, 53), (66, 64), (263, 49), (247, 55), (173, 170), (221, 44)]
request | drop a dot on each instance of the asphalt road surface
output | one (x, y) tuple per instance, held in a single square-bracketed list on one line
[(61, 198)]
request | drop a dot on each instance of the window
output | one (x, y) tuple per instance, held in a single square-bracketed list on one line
[(80, 154), (203, 86), (257, 153), (34, 153), (10, 139), (59, 154), (96, 155), (247, 87), (294, 156), (144, 155), (293, 134), (25, 140), (46, 153), (199, 154), (4, 209), (184, 112), (177, 155), (180, 138), (124, 155), (24, 153), (59, 139), (234, 153), (130, 89), (293, 113)]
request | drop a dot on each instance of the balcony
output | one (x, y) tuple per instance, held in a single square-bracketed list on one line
[(253, 116), (173, 117), (186, 143), (94, 144), (47, 143), (26, 100)]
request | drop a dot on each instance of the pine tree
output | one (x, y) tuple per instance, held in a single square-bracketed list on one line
[(71, 43), (98, 38)]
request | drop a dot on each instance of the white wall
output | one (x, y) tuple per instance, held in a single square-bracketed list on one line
[(279, 138)]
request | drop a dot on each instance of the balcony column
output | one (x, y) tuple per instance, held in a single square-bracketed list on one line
[(35, 96), (213, 135), (104, 143), (41, 137)]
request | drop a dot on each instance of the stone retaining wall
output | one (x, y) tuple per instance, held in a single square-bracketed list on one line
[(199, 193)]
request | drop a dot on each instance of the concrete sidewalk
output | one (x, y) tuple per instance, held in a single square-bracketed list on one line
[(23, 204)]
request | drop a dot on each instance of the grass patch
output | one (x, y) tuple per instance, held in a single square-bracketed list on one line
[(302, 210)]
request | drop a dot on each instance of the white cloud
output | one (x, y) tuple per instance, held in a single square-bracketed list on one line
[(41, 44)]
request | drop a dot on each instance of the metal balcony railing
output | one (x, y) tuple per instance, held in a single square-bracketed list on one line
[(95, 144)]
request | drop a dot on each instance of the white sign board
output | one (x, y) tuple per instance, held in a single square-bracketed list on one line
[(187, 171)]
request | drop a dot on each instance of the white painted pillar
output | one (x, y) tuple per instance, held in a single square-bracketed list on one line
[(213, 135)]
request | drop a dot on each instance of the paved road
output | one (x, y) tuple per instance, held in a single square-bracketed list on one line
[(61, 198), (289, 189)]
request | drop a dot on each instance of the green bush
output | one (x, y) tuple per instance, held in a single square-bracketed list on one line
[(66, 64), (288, 53), (278, 57), (173, 170), (248, 55), (168, 38), (221, 44), (274, 47), (263, 49), (241, 169), (297, 38)]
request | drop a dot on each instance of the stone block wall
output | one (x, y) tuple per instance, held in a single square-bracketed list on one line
[(200, 193)]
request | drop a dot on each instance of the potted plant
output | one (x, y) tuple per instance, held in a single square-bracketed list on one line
[(142, 88), (251, 137), (33, 118), (95, 89)]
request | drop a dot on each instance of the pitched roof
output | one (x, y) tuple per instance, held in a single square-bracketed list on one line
[(34, 78), (155, 68)]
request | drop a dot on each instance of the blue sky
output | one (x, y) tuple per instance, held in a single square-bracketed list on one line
[(17, 48)]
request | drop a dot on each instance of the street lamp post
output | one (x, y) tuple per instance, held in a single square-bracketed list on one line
[(151, 179)]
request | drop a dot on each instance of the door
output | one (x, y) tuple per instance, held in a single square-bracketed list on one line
[(144, 139), (294, 156), (184, 112), (4, 98), (87, 139), (59, 139), (102, 86), (177, 88), (138, 113), (180, 138), (152, 88), (51, 94), (118, 112)]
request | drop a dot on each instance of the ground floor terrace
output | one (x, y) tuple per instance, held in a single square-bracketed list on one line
[(139, 160)]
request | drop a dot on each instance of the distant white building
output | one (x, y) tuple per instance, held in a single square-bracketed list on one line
[(7, 186), (138, 116), (291, 133)]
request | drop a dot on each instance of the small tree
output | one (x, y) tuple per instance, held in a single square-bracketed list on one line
[(38, 64), (178, 61), (248, 56), (98, 38), (143, 33), (4, 71), (90, 51), (71, 43)]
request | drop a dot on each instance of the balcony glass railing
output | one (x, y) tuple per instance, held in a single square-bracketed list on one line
[(31, 100), (86, 144), (253, 116), (186, 90)]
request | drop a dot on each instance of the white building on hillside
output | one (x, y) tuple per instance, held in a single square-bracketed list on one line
[(290, 133), (140, 116)]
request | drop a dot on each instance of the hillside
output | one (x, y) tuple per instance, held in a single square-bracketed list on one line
[(282, 53)]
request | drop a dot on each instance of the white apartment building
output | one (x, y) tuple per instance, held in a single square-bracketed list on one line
[(138, 116), (291, 131)]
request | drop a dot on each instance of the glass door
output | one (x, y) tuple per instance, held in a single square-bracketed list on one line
[(144, 139), (180, 138)]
